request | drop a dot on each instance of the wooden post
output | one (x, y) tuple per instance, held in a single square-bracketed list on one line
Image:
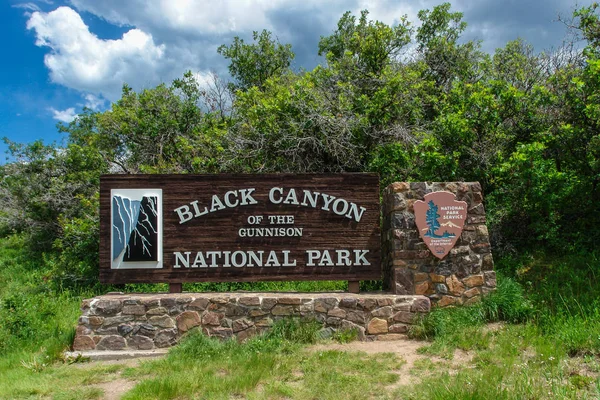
[(353, 286), (175, 287)]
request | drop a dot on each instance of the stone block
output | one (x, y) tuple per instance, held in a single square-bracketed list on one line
[(398, 328), (280, 310), (455, 286), (124, 330), (437, 278), (107, 307), (473, 281), (83, 342), (241, 324), (211, 318), (244, 335), (471, 292), (377, 326), (162, 321), (290, 300), (337, 312), (490, 278), (383, 312), (134, 310), (140, 343), (446, 301), (366, 304), (165, 338), (422, 288), (121, 319), (348, 302), (249, 301), (268, 303), (111, 342), (198, 304), (157, 311), (188, 320), (421, 305), (404, 317), (356, 316)]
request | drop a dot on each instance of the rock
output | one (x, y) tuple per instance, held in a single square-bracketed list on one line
[(140, 343), (157, 311), (187, 320), (282, 310), (356, 316), (257, 313), (446, 301), (110, 321), (95, 321), (162, 321), (441, 288), (124, 330), (384, 302), (403, 316), (82, 330), (211, 318), (249, 301), (348, 302), (241, 324), (165, 338), (290, 300), (383, 312), (337, 312), (398, 187), (455, 286), (482, 230), (150, 303), (377, 326), (325, 304), (325, 333), (246, 334), (422, 288), (147, 330), (107, 307), (220, 332), (112, 342), (421, 276), (490, 278), (472, 300), (366, 304), (398, 328), (198, 304), (265, 322), (473, 280), (422, 305), (219, 300), (471, 292), (168, 303), (83, 342), (233, 310), (333, 321), (134, 310), (347, 325), (488, 262), (268, 303)]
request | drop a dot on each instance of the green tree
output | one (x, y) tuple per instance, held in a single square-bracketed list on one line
[(252, 64)]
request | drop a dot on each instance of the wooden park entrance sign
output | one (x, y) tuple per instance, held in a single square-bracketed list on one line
[(216, 228)]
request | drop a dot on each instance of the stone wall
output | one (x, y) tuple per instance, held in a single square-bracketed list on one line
[(410, 268), (148, 321)]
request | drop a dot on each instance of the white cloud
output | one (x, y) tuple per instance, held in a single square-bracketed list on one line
[(80, 60), (94, 103), (67, 115)]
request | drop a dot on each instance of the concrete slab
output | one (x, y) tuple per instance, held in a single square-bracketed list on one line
[(106, 355)]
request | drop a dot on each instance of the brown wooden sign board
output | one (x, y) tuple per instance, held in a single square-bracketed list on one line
[(217, 228)]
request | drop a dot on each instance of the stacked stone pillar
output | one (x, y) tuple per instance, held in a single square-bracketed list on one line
[(464, 275)]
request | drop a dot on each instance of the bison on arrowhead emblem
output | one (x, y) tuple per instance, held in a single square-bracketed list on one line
[(440, 219)]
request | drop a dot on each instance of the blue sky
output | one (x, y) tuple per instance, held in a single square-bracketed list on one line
[(63, 55)]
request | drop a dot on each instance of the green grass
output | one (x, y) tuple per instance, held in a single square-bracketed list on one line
[(545, 344)]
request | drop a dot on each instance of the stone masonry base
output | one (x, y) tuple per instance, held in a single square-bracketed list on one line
[(151, 321)]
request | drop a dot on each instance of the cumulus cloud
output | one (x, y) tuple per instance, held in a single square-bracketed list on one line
[(166, 38), (80, 60), (66, 116)]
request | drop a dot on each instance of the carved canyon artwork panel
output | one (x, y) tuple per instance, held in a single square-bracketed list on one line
[(193, 228), (440, 219)]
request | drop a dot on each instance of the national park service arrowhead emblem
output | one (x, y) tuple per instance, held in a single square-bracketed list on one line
[(440, 219)]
